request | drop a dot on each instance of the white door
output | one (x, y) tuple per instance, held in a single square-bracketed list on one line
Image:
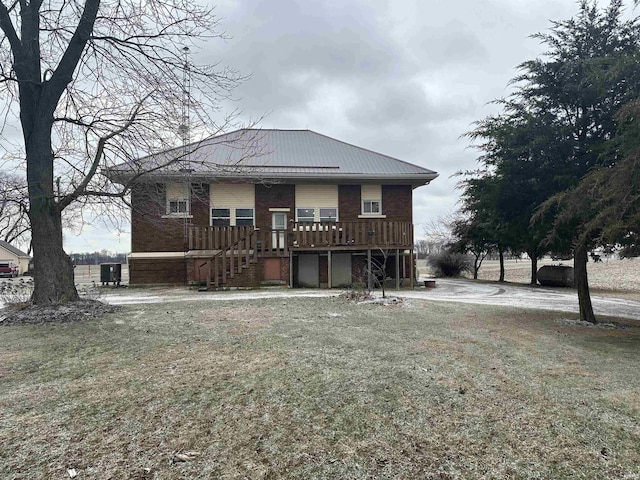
[(279, 227)]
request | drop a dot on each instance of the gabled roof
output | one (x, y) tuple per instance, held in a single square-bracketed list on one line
[(276, 154), (13, 250)]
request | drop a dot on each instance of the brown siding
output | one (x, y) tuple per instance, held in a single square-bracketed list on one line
[(349, 203), (273, 196), (397, 203), (157, 270)]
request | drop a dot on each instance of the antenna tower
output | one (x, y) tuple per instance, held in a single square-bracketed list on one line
[(184, 131), (186, 103)]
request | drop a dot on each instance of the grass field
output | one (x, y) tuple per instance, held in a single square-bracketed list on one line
[(320, 388)]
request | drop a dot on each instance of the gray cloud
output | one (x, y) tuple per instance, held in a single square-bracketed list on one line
[(403, 78)]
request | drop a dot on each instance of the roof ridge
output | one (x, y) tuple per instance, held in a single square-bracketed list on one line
[(11, 249)]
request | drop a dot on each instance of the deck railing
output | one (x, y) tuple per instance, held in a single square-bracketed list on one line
[(301, 235)]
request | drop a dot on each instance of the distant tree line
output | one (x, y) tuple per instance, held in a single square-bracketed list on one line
[(95, 258)]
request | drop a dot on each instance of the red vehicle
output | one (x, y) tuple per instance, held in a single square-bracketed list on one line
[(8, 269)]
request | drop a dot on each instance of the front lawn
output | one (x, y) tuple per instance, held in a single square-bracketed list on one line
[(320, 388)]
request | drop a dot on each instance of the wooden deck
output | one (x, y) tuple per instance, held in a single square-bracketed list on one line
[(305, 236)]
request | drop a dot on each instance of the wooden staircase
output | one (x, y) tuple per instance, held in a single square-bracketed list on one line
[(230, 262)]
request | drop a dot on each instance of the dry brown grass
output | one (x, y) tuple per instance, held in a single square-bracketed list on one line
[(320, 388)]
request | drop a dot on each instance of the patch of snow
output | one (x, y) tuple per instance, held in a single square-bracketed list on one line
[(582, 323)]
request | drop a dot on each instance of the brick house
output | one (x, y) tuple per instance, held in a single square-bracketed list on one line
[(255, 207)]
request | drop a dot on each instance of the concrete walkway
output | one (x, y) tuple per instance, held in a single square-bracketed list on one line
[(462, 291)]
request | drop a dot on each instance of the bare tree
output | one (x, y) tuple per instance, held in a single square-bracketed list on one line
[(439, 232), (97, 83), (14, 222)]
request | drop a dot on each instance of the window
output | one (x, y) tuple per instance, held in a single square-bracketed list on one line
[(177, 199), (371, 207), (178, 206), (317, 214), (224, 217), (220, 217), (371, 196), (244, 216), (328, 214), (305, 214)]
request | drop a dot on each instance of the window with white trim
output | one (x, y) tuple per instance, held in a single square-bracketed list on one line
[(371, 207), (371, 196), (235, 217), (220, 217), (305, 214), (244, 216), (177, 199), (328, 214), (317, 214)]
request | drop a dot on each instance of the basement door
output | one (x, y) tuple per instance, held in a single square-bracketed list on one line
[(308, 270), (340, 270)]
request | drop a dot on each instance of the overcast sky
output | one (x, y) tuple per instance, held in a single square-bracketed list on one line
[(403, 78)]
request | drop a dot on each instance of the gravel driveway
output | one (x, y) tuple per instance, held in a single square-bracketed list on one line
[(560, 299)]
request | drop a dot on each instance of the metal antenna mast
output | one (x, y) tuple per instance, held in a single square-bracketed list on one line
[(186, 103), (184, 131)]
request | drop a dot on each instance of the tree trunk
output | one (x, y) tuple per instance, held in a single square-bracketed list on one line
[(53, 269), (534, 267), (501, 252), (582, 284)]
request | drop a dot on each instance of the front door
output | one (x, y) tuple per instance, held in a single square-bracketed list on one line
[(279, 227)]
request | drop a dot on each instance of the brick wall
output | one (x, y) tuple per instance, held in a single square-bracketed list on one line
[(274, 196), (200, 204), (250, 277), (349, 202), (152, 233), (284, 270), (323, 265), (397, 203), (161, 270)]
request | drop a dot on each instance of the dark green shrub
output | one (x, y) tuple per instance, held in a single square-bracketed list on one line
[(449, 264)]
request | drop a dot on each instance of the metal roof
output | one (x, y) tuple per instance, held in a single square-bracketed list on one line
[(277, 154), (13, 250)]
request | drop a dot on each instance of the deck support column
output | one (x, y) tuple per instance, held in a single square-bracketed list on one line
[(397, 269), (412, 265), (329, 269), (369, 269), (290, 269)]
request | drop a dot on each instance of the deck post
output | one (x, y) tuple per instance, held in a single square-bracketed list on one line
[(369, 269), (290, 268), (397, 269), (412, 273), (329, 269)]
